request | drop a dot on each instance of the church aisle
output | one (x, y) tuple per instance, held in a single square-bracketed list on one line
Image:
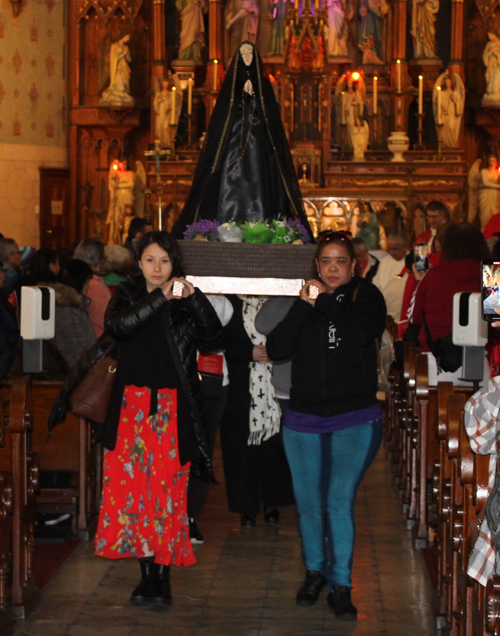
[(246, 579)]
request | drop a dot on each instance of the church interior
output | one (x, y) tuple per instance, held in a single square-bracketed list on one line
[(387, 106)]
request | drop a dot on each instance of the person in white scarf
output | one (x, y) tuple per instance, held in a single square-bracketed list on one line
[(255, 467)]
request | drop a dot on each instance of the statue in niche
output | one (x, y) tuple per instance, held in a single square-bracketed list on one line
[(242, 23), (277, 15), (371, 32), (368, 228), (491, 59), (121, 184), (192, 37), (423, 28), (350, 111), (118, 92), (167, 106), (484, 191), (452, 107), (339, 13)]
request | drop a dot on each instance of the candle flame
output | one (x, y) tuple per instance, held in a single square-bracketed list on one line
[(115, 166), (420, 77), (173, 88), (355, 76), (375, 78), (438, 88), (398, 61), (216, 61)]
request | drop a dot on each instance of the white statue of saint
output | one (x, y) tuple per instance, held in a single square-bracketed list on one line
[(452, 107), (484, 191), (192, 38), (491, 59), (121, 183), (339, 13), (423, 28), (242, 23), (360, 135), (168, 98), (351, 106), (118, 92)]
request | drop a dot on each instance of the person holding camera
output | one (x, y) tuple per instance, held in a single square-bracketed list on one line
[(154, 428), (332, 428)]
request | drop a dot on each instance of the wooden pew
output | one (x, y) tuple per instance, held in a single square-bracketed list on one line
[(18, 460), (71, 448), (6, 522)]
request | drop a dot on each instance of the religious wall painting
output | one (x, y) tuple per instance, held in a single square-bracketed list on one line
[(17, 62), (339, 15), (34, 95), (49, 65), (372, 29)]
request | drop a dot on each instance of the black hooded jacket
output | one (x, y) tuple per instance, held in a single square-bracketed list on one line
[(191, 324), (333, 349)]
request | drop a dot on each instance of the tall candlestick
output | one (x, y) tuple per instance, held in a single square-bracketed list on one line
[(190, 95), (342, 119), (439, 118), (172, 109), (316, 7), (297, 4), (375, 94), (398, 74), (215, 74), (420, 94)]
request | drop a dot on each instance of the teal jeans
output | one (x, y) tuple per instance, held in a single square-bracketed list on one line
[(327, 469)]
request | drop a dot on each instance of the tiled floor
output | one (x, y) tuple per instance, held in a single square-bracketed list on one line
[(245, 581)]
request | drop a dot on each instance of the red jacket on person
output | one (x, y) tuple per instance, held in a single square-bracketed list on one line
[(435, 295)]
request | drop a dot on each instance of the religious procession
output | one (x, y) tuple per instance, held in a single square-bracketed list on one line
[(252, 329)]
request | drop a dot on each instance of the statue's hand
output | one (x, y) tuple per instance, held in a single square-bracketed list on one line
[(248, 87)]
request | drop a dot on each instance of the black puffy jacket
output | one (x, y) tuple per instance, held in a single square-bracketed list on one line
[(190, 324)]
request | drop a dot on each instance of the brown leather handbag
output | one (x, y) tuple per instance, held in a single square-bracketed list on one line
[(91, 397)]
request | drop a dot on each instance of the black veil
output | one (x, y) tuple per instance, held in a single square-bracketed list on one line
[(203, 199)]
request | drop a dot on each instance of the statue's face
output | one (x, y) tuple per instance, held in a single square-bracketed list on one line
[(492, 161), (447, 83), (246, 51)]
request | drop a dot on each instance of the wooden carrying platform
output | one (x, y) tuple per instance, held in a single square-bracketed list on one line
[(247, 268)]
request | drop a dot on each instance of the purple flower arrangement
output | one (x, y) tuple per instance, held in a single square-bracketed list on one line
[(206, 229), (298, 231), (209, 230)]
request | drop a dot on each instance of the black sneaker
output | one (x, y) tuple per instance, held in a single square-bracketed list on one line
[(310, 590), (271, 516), (340, 602), (194, 532)]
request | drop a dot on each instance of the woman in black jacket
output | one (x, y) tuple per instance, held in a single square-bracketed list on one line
[(332, 428), (153, 430)]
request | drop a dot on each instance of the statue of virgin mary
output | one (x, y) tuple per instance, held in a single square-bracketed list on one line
[(245, 171)]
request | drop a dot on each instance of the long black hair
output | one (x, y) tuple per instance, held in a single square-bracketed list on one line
[(75, 273), (203, 199), (167, 242)]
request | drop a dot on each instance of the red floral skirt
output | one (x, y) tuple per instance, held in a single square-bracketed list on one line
[(144, 500)]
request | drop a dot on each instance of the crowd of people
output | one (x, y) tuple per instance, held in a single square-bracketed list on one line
[(291, 384)]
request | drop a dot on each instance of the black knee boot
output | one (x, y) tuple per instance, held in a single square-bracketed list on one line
[(160, 592), (141, 595)]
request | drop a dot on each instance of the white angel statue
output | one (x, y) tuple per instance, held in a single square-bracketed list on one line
[(126, 195), (350, 105), (484, 191), (452, 107), (167, 100)]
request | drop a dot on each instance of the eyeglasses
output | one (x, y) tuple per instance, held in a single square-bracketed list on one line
[(330, 235)]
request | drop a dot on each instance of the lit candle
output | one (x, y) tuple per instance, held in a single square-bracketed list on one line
[(398, 74), (297, 5), (420, 94), (172, 109), (215, 74), (342, 117), (316, 7), (375, 94), (190, 95), (439, 105)]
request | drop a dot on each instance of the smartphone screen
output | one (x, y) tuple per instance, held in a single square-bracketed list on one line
[(490, 289), (421, 251)]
